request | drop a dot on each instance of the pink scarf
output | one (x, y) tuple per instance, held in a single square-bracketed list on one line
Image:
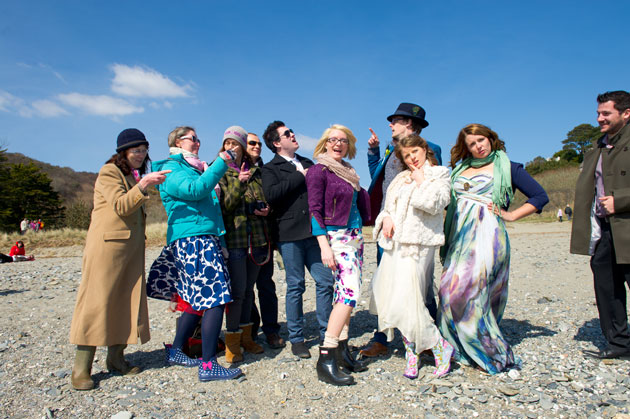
[(192, 159)]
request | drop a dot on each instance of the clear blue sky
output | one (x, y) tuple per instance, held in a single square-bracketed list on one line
[(73, 74)]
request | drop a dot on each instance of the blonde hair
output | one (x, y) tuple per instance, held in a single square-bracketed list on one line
[(177, 133), (320, 148)]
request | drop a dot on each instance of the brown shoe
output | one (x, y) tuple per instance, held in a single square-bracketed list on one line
[(275, 341), (374, 349)]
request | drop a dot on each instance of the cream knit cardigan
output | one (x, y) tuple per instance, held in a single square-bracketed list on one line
[(417, 213)]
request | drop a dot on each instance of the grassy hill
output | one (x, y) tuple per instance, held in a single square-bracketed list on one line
[(560, 186), (70, 184), (76, 186)]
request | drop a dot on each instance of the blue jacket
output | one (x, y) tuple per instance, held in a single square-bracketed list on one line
[(188, 196), (376, 165)]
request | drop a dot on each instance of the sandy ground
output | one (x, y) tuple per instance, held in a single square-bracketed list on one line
[(549, 319)]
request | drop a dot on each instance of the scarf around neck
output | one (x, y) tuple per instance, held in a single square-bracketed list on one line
[(502, 193), (191, 158), (342, 169)]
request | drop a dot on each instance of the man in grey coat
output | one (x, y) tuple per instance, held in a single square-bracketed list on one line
[(601, 223)]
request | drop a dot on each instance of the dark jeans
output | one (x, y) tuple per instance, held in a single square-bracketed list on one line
[(610, 279), (267, 299), (296, 255), (243, 274), (380, 337)]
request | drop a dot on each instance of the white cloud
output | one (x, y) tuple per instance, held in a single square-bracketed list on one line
[(8, 102), (48, 109), (145, 82), (166, 104), (14, 104), (306, 143), (100, 105)]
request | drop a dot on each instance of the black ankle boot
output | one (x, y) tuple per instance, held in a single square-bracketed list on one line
[(328, 371), (348, 362)]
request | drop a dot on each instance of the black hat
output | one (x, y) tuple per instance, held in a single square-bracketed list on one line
[(129, 138), (410, 110)]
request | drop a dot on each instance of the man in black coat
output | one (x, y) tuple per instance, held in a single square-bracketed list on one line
[(284, 185)]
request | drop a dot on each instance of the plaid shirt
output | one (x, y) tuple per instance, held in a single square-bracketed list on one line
[(235, 196)]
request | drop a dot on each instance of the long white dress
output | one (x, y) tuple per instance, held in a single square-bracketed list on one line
[(400, 283)]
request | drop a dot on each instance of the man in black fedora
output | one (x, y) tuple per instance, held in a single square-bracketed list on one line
[(408, 119)]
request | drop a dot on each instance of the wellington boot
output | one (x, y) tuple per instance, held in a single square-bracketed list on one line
[(116, 362), (347, 361), (328, 371), (233, 347), (82, 369), (247, 342)]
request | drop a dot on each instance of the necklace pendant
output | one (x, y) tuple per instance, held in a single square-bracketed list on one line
[(466, 186)]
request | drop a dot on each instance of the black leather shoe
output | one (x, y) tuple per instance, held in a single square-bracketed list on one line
[(609, 353), (300, 350)]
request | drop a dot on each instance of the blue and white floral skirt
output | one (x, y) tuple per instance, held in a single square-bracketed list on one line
[(194, 269)]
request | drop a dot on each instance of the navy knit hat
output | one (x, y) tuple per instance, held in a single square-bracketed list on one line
[(129, 138)]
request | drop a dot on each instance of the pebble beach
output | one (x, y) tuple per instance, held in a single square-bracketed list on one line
[(550, 319)]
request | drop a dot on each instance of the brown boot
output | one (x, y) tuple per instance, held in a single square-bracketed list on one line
[(247, 342), (116, 362), (233, 347), (82, 369)]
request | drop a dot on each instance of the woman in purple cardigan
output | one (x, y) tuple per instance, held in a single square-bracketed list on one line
[(338, 207)]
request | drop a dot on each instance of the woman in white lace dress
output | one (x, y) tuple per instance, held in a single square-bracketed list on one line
[(409, 229)]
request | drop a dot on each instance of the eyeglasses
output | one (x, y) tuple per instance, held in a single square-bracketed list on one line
[(334, 140), (192, 138), (139, 150), (254, 143), (287, 133)]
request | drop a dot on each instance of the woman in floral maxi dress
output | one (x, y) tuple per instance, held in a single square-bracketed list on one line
[(476, 256)]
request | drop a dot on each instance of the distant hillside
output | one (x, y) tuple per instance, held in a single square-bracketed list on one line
[(560, 186), (71, 185), (74, 186)]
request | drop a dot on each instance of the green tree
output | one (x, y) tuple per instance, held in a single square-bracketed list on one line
[(581, 138), (567, 154), (27, 192)]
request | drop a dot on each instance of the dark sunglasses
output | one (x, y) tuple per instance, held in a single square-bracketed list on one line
[(254, 143), (287, 133)]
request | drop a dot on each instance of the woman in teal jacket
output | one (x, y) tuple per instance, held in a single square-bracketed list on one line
[(194, 251)]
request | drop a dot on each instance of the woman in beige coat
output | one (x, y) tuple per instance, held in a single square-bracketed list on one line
[(111, 308)]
